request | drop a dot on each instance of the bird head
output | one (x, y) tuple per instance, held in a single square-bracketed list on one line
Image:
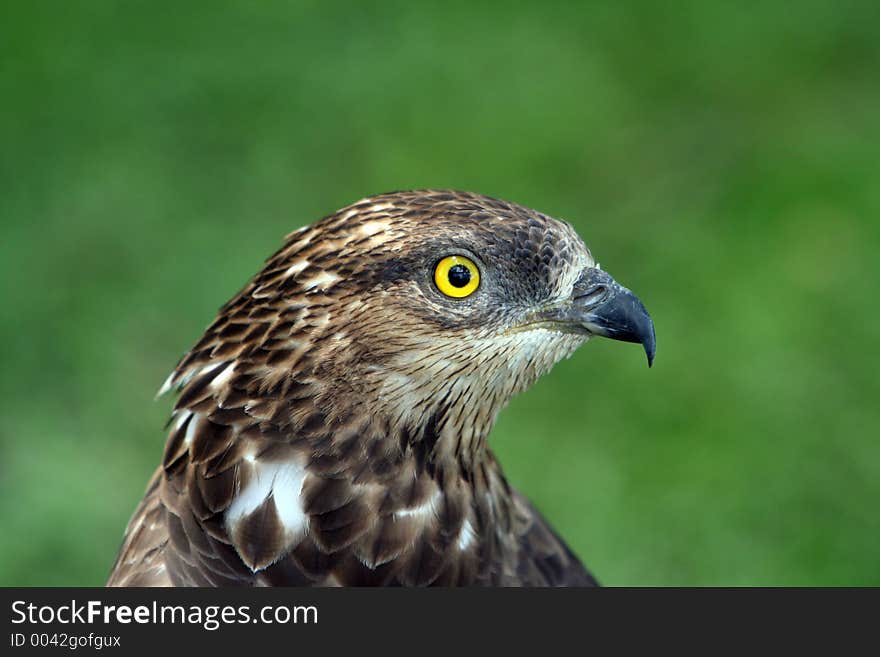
[(427, 309)]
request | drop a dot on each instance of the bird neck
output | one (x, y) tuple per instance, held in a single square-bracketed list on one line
[(450, 438), (443, 421)]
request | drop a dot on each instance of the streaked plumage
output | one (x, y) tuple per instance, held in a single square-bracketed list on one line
[(332, 421)]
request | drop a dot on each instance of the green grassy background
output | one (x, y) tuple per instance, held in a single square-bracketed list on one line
[(723, 162)]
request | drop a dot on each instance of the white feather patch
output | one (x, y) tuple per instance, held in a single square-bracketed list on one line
[(422, 510), (370, 228), (297, 267), (223, 378), (166, 386), (320, 281), (180, 417), (197, 419), (466, 535), (283, 481), (348, 214), (178, 380)]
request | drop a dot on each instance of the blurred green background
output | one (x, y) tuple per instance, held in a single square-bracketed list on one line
[(722, 161)]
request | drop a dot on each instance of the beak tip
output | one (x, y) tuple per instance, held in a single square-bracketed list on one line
[(650, 345)]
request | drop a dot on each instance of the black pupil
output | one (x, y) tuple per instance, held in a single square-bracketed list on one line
[(459, 275)]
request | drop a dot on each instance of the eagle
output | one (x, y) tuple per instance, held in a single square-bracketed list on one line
[(331, 424)]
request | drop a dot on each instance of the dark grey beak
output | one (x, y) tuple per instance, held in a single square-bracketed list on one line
[(602, 306)]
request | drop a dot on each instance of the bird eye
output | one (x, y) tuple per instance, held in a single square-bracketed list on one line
[(457, 276)]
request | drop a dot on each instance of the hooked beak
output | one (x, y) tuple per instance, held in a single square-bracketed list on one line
[(599, 305)]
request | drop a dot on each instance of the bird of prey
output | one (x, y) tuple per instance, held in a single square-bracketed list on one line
[(332, 422)]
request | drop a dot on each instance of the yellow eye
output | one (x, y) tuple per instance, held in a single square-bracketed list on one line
[(457, 276)]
